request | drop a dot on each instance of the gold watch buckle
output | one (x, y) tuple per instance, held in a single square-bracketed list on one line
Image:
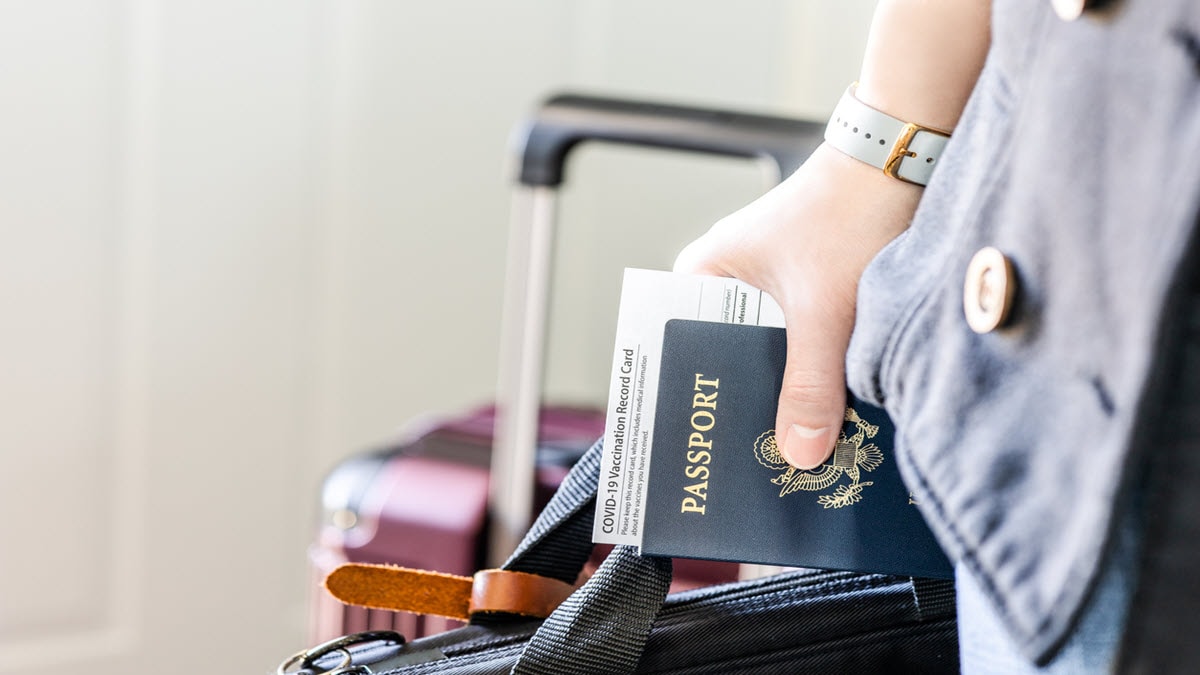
[(900, 151)]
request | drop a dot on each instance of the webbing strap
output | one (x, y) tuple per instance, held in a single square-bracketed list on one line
[(934, 598), (604, 626)]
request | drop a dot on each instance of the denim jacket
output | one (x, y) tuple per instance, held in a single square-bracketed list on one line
[(1078, 157)]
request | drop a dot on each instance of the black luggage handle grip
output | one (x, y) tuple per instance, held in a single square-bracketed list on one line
[(564, 121)]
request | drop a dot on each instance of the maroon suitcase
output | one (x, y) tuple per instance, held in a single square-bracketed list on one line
[(456, 494), (421, 502)]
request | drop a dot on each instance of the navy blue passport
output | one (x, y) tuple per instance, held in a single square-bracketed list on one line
[(719, 488)]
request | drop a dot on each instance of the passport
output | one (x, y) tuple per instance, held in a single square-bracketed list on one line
[(649, 299), (719, 489)]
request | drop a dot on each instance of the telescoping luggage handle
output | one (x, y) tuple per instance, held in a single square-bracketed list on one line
[(541, 147)]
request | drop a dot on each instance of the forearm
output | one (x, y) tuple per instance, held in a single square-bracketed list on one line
[(923, 57)]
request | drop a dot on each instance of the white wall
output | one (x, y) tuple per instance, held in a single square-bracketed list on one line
[(240, 241)]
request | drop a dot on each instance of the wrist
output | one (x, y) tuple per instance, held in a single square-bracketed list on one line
[(868, 181), (871, 208)]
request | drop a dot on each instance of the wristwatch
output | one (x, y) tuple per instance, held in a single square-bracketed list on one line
[(903, 150)]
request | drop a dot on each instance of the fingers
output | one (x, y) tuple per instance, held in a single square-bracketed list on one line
[(812, 400), (806, 243), (819, 315)]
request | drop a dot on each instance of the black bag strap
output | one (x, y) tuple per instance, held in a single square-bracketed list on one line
[(560, 541), (603, 627)]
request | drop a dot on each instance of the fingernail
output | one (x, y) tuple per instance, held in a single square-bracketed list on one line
[(805, 447)]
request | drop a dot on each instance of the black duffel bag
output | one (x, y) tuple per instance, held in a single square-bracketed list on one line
[(622, 620)]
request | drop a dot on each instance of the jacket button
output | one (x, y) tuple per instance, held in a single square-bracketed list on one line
[(1069, 10), (988, 291)]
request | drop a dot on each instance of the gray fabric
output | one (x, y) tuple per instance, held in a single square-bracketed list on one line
[(1078, 157)]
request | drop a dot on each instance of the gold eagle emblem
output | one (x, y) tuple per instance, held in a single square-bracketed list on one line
[(850, 458)]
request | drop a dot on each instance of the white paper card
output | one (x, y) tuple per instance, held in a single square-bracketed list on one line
[(648, 300)]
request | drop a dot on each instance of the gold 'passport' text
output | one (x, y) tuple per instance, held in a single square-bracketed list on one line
[(700, 446)]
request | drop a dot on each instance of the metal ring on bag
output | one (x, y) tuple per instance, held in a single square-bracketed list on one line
[(307, 657)]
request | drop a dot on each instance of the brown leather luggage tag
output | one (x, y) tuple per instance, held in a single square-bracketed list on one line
[(402, 589)]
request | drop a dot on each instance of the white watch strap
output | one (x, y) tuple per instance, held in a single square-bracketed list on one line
[(901, 149)]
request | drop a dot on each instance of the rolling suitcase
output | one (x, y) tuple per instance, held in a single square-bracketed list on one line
[(491, 480), (421, 502)]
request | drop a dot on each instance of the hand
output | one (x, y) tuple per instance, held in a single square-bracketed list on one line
[(806, 243)]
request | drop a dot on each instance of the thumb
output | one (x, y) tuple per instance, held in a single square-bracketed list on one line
[(812, 400)]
